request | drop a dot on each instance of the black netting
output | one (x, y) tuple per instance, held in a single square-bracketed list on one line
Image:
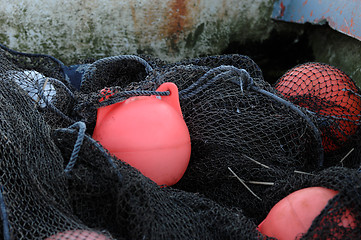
[(252, 145), (235, 127), (117, 71), (117, 197), (33, 184), (43, 78)]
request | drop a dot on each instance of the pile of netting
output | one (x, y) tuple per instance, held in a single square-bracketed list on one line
[(252, 145)]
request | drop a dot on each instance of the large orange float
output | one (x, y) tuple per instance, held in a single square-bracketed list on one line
[(328, 92), (149, 133)]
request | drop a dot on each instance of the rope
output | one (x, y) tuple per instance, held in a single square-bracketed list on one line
[(121, 96), (48, 104), (41, 83), (245, 81), (61, 64), (78, 143), (4, 215), (55, 109), (222, 72), (91, 70), (54, 80)]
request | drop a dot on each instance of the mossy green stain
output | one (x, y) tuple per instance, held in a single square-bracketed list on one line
[(208, 37), (340, 50), (193, 38), (4, 39)]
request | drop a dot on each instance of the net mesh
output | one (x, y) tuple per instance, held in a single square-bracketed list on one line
[(252, 145), (33, 186)]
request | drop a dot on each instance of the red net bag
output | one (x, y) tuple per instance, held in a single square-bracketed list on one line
[(328, 93)]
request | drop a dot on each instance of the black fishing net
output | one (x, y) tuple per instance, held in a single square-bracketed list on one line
[(120, 199), (251, 146), (43, 78), (34, 195), (53, 190)]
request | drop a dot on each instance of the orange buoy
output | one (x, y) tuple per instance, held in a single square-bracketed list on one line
[(78, 235), (293, 215), (149, 133), (328, 92)]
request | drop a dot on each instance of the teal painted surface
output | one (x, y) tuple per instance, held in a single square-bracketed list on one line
[(341, 15)]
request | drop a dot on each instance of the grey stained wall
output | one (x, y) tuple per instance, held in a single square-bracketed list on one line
[(169, 29), (337, 49)]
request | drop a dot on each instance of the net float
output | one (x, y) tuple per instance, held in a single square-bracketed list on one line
[(328, 92), (78, 235), (291, 217), (149, 133)]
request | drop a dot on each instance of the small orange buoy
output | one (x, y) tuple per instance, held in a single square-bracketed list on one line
[(293, 215), (78, 235), (149, 133), (328, 92)]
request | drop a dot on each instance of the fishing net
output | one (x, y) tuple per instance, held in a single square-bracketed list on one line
[(53, 190), (42, 78), (120, 199), (251, 146), (34, 196), (242, 131)]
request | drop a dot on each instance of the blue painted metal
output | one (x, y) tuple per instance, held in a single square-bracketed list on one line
[(341, 15)]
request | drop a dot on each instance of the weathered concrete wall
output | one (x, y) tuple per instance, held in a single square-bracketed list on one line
[(169, 29), (337, 49)]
